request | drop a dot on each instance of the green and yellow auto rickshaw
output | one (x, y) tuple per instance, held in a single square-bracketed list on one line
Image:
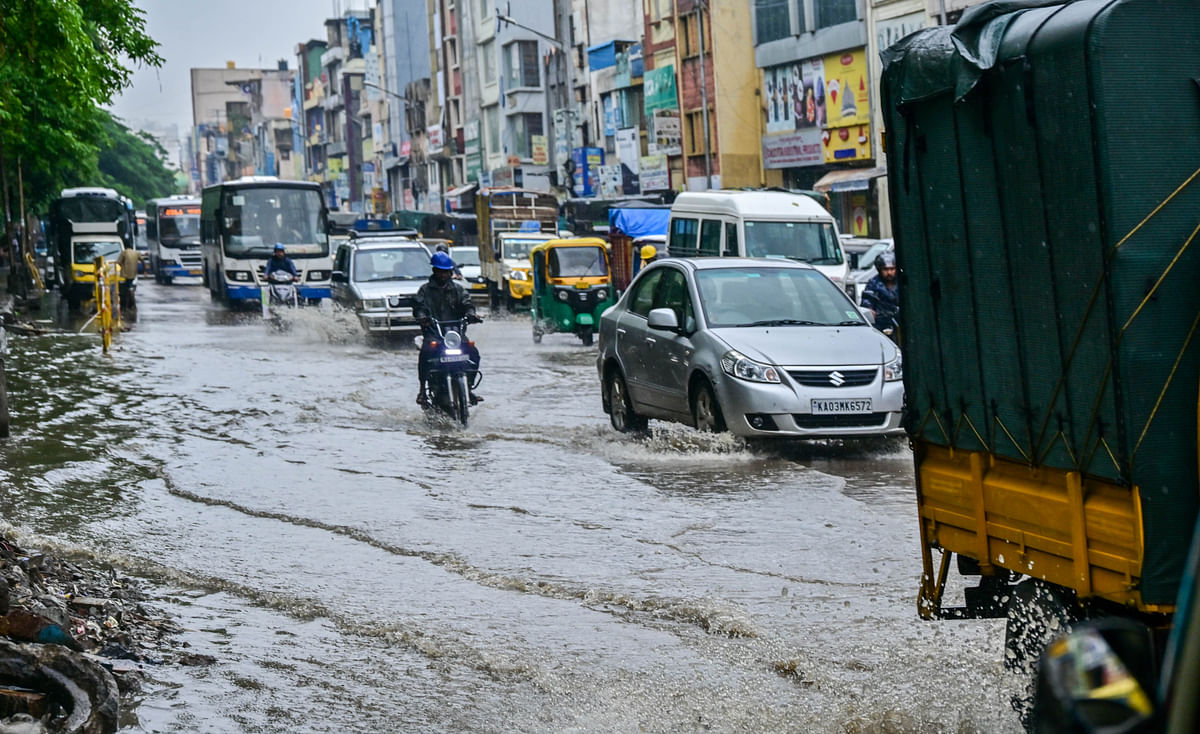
[(572, 285)]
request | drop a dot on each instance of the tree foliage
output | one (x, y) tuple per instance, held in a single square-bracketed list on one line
[(59, 61)]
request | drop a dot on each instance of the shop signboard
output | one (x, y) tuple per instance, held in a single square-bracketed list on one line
[(654, 173), (658, 88), (610, 181), (793, 150), (665, 137), (629, 153), (795, 96), (846, 92), (541, 150), (587, 164), (844, 144)]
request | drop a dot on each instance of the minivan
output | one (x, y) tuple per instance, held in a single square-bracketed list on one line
[(756, 224)]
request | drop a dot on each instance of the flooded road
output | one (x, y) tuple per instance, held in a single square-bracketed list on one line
[(356, 567)]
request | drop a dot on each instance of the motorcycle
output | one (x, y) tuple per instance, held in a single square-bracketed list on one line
[(452, 373), (279, 289)]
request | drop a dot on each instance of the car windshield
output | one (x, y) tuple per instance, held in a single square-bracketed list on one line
[(743, 297), (84, 253), (464, 255), (577, 262), (401, 263), (810, 242)]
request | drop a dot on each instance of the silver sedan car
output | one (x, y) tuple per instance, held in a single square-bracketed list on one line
[(757, 347)]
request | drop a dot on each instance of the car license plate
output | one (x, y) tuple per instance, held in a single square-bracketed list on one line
[(193, 272), (456, 358), (478, 286), (826, 407)]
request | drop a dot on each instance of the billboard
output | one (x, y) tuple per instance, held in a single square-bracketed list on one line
[(795, 96)]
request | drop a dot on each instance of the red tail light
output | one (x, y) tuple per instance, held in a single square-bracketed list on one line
[(433, 344)]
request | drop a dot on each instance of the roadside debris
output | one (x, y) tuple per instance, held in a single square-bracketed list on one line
[(78, 640)]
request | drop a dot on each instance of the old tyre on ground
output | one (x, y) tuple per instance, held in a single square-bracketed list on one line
[(706, 411), (620, 412)]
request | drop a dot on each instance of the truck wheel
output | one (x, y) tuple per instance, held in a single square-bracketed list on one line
[(1037, 613)]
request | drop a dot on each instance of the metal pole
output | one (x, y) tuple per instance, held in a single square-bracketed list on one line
[(704, 97)]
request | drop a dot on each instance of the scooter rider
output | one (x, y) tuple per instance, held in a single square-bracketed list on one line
[(882, 294), (280, 261), (442, 299)]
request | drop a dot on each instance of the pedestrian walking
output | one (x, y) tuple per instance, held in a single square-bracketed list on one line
[(128, 264)]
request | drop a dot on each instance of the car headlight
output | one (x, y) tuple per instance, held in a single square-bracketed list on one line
[(738, 365), (519, 275), (894, 370), (368, 304)]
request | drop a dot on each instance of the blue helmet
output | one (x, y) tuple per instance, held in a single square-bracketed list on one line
[(441, 261), (279, 247)]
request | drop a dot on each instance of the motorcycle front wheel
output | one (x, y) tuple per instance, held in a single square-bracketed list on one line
[(462, 399)]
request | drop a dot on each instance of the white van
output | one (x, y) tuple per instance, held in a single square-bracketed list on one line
[(756, 224)]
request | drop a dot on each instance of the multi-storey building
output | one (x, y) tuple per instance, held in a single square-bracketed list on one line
[(403, 49), (700, 93), (241, 122)]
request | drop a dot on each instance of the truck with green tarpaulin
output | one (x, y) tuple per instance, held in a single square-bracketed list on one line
[(1044, 182)]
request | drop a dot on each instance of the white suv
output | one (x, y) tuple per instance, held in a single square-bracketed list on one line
[(378, 276)]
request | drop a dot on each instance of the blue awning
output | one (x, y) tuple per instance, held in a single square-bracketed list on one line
[(604, 55)]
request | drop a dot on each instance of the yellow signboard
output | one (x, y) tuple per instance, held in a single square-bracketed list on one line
[(541, 151), (847, 101), (844, 144)]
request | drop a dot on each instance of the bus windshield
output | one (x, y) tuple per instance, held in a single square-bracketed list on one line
[(255, 218), (810, 242), (179, 228)]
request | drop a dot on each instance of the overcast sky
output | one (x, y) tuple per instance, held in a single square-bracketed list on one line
[(207, 33)]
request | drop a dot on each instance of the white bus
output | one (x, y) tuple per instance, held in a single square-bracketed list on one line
[(756, 224), (173, 237), (242, 220)]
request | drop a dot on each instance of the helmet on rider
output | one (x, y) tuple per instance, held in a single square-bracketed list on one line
[(649, 252), (442, 248), (279, 247), (885, 260), (441, 261)]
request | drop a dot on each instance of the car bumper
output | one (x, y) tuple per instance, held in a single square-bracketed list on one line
[(786, 409), (520, 289), (385, 322)]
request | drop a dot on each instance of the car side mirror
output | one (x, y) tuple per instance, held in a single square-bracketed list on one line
[(1099, 677), (853, 258), (662, 319), (867, 314), (338, 276)]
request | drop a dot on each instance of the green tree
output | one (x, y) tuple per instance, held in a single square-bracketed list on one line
[(59, 61)]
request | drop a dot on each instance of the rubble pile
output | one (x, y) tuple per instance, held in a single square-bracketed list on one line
[(81, 638)]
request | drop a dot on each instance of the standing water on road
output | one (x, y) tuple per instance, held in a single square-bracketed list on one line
[(356, 567)]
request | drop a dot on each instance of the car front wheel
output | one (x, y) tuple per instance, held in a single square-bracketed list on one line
[(621, 413), (706, 411)]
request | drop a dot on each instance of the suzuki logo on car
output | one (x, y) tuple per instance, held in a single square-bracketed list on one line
[(836, 379)]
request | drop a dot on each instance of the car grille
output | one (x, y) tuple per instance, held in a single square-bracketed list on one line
[(852, 420), (834, 378)]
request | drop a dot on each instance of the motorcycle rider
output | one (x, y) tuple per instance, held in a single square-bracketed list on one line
[(280, 261), (457, 270), (442, 299), (882, 294)]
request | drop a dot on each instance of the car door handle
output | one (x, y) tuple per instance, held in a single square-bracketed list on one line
[(620, 331), (651, 340)]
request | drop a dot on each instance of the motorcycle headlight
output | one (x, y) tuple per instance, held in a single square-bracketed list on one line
[(894, 370), (738, 365), (452, 339), (519, 275)]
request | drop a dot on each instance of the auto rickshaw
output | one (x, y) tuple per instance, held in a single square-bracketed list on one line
[(572, 286)]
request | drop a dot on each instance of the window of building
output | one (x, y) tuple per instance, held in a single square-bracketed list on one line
[(695, 133), (523, 127), (689, 29), (521, 65), (485, 8), (834, 12), (659, 9), (491, 121), (487, 51), (772, 21)]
